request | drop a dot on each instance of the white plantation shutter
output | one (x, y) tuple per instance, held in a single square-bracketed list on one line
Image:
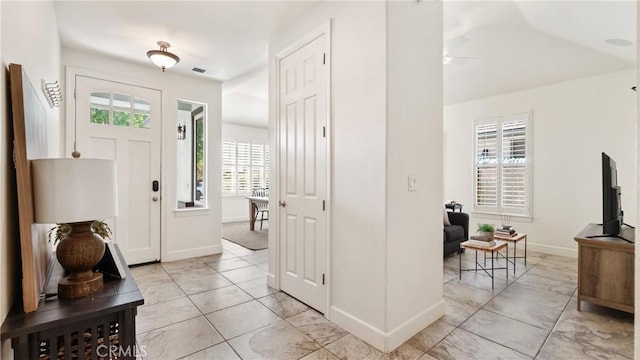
[(503, 165), (514, 168), (266, 166), (257, 166), (486, 164), (228, 166), (245, 166)]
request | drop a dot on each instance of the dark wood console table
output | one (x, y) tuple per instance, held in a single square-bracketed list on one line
[(606, 269), (99, 326)]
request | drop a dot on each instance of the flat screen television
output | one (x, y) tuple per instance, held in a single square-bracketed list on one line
[(612, 214)]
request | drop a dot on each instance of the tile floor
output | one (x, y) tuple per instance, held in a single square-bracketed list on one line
[(219, 307)]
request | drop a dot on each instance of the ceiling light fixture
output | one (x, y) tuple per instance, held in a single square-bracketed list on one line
[(619, 42), (162, 58)]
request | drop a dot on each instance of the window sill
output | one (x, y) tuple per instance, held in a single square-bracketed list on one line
[(235, 196), (192, 211), (494, 216)]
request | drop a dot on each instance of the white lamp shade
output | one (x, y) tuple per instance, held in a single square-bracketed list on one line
[(74, 190), (161, 59)]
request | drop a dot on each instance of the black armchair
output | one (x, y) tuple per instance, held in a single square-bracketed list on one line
[(455, 233)]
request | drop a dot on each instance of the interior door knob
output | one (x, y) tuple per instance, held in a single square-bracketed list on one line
[(282, 203)]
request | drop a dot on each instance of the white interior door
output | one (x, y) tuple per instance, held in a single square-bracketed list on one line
[(303, 173), (122, 122)]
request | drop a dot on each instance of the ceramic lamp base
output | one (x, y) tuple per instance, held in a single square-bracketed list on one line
[(71, 289)]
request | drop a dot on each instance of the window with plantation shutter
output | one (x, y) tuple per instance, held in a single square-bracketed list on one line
[(245, 166), (228, 166), (503, 165)]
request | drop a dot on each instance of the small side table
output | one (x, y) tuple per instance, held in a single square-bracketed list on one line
[(515, 240), (494, 250), (453, 207)]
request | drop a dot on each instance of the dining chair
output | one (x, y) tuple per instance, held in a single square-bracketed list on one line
[(260, 208)]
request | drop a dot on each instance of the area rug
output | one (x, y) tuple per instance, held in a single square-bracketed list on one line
[(239, 233)]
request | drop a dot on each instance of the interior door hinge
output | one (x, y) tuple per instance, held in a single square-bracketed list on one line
[(323, 205), (322, 279), (324, 58), (324, 131)]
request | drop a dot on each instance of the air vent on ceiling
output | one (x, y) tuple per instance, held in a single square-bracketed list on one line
[(198, 70)]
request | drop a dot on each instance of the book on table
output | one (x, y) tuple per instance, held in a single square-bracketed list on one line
[(481, 243), (504, 234)]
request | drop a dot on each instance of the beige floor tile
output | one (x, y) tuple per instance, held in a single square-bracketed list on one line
[(404, 352), (178, 340), (351, 347), (155, 316), (221, 351), (537, 296), (547, 284), (467, 294), (161, 292), (513, 334), (277, 341), (229, 264), (528, 312), (257, 288), (243, 318), (317, 327), (244, 274), (214, 300), (320, 354), (431, 335), (224, 255), (138, 271), (464, 345), (198, 284), (283, 305), (257, 258), (455, 312)]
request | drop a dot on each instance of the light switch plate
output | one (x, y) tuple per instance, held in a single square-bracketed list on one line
[(413, 183)]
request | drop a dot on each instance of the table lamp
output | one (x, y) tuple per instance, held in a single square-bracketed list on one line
[(76, 192)]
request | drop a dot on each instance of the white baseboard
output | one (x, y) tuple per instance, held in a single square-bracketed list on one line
[(358, 327), (191, 253), (553, 250), (271, 281), (386, 341), (235, 219), (412, 326)]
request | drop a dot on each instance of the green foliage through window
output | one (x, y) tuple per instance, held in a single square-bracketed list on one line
[(99, 116)]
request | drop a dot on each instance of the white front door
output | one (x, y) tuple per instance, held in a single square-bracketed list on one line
[(303, 173), (122, 122)]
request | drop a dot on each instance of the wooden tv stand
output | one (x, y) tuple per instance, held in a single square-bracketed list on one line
[(606, 268)]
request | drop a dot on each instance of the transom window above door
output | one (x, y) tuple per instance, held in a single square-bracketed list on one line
[(116, 109)]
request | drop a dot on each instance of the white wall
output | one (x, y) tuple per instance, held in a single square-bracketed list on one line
[(36, 46), (366, 255), (236, 208), (187, 232), (573, 122), (414, 147)]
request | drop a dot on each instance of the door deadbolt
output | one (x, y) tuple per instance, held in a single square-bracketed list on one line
[(155, 198), (283, 203)]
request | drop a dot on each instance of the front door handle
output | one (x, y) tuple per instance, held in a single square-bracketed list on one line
[(282, 203)]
